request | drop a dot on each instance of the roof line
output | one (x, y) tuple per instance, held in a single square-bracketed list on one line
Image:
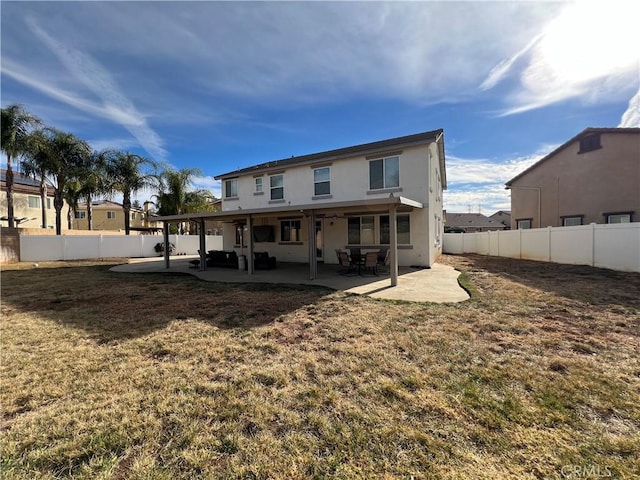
[(372, 147), (586, 131), (407, 202)]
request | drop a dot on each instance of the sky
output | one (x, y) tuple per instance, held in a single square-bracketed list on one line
[(225, 85)]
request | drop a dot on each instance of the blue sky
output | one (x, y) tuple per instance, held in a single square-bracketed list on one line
[(222, 85)]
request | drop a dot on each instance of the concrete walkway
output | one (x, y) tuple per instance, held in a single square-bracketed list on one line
[(439, 284)]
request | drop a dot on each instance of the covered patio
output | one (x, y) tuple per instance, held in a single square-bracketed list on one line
[(390, 205), (438, 284)]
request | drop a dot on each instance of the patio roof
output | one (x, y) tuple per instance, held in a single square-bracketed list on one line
[(388, 201)]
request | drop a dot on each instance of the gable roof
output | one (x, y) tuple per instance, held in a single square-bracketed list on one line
[(476, 220), (106, 204), (366, 148), (584, 133)]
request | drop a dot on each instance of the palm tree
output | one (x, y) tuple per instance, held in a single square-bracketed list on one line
[(94, 179), (175, 198), (60, 155), (127, 175), (33, 164), (72, 195), (15, 125)]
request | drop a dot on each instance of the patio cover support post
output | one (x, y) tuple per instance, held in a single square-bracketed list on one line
[(313, 264), (249, 258), (393, 245), (203, 247), (165, 233)]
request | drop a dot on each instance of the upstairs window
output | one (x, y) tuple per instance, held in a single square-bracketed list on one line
[(34, 202), (590, 142), (111, 215), (258, 181), (322, 181), (384, 173), (231, 188), (277, 186), (80, 215)]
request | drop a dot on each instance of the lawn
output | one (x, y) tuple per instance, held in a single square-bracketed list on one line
[(149, 376)]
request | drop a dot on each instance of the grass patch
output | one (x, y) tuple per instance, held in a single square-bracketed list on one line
[(114, 376)]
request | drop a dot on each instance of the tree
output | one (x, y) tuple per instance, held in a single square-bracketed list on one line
[(128, 173), (94, 179), (34, 165), (15, 125), (72, 195), (61, 156), (175, 198)]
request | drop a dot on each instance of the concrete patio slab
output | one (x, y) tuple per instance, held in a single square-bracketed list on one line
[(439, 284)]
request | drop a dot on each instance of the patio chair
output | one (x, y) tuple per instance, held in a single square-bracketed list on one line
[(346, 268), (383, 261), (371, 262)]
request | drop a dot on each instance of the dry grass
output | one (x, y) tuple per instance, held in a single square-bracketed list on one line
[(122, 376)]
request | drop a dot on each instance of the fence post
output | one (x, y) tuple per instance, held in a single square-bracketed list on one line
[(549, 254), (520, 243), (593, 244)]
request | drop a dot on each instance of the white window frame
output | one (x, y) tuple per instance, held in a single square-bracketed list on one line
[(618, 217), (35, 200), (521, 224), (572, 221), (80, 215), (316, 182), (273, 189), (111, 215), (386, 184), (258, 184), (231, 188)]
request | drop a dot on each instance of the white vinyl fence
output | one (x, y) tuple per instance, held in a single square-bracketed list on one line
[(614, 246), (78, 247)]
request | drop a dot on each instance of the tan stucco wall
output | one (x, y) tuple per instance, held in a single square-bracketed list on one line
[(593, 183), (101, 222), (21, 209)]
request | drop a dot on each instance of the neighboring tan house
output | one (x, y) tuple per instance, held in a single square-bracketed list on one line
[(592, 178), (27, 209), (384, 196), (470, 222), (108, 215), (502, 216)]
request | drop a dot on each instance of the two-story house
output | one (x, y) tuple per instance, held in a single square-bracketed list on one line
[(27, 206), (109, 215), (592, 178), (385, 194)]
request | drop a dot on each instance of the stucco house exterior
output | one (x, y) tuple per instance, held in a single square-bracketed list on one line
[(109, 215), (27, 202), (502, 216), (380, 195), (592, 178)]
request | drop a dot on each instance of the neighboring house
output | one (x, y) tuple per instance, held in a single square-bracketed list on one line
[(592, 178), (470, 222), (502, 216), (108, 215), (380, 195), (26, 202)]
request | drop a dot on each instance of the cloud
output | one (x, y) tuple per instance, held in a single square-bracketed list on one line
[(631, 117), (587, 51), (115, 105), (479, 184), (207, 183)]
